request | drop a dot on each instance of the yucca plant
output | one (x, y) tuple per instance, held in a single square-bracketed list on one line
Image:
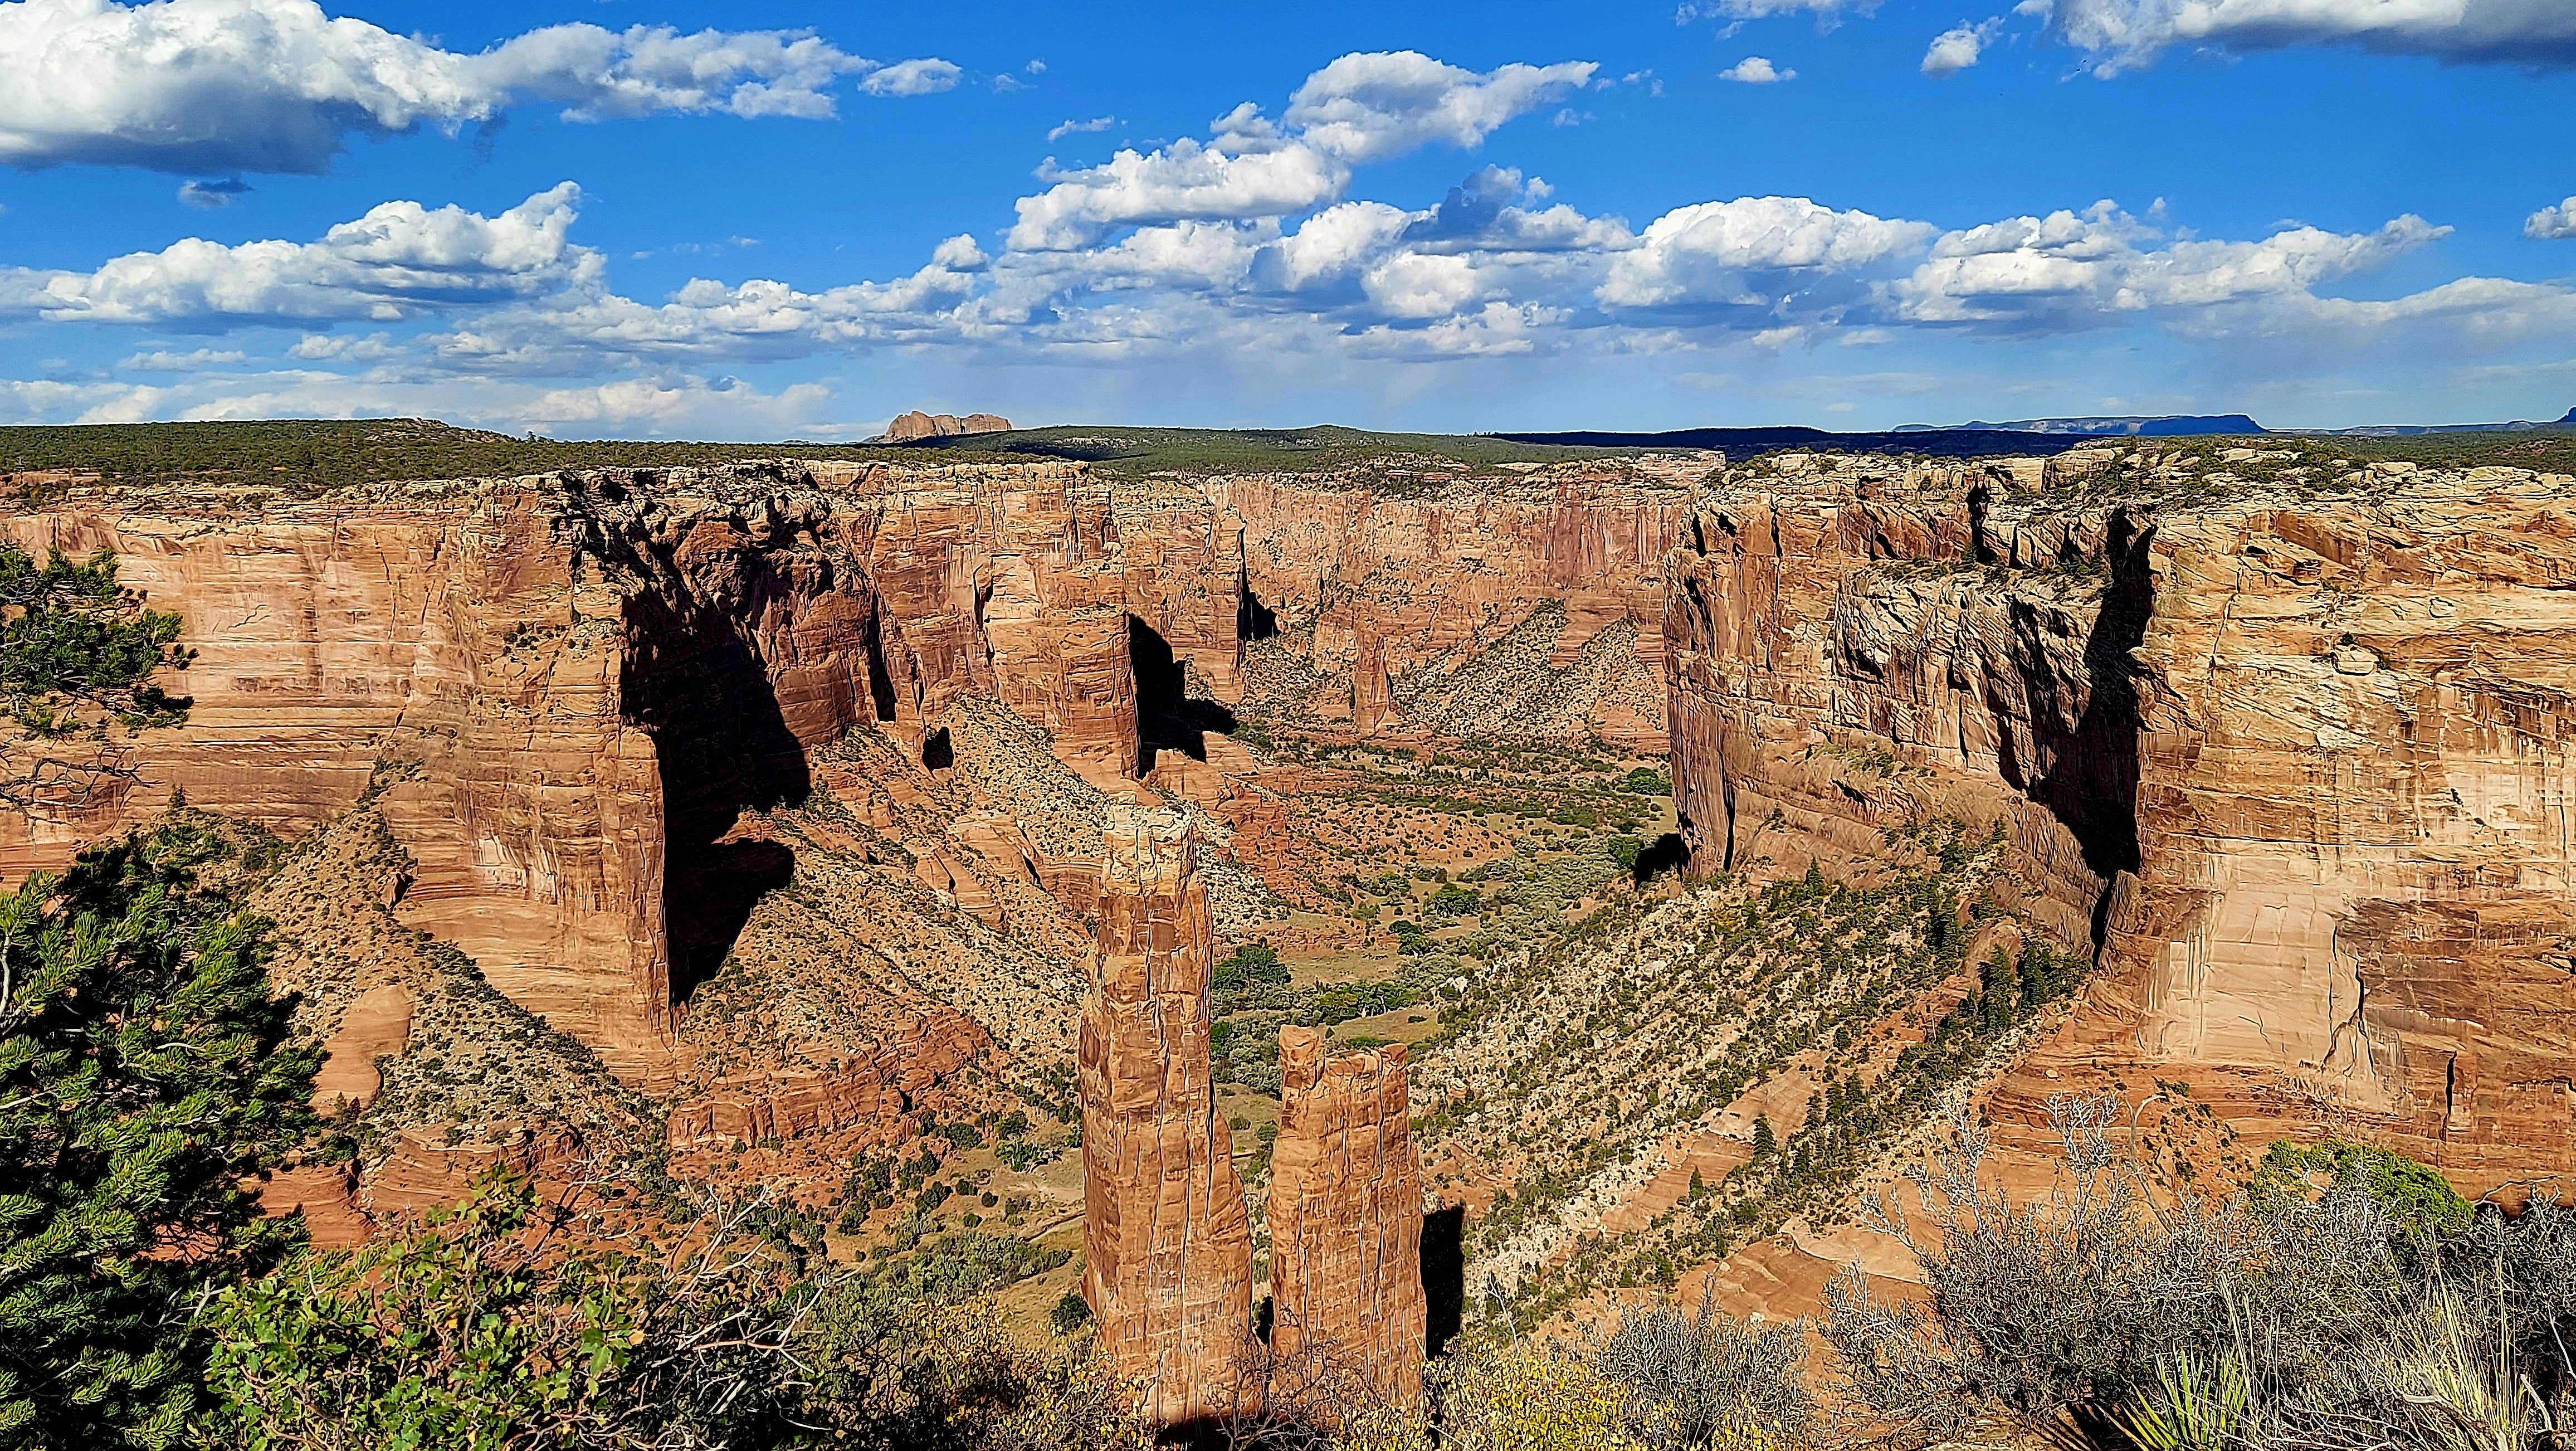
[(2198, 1403)]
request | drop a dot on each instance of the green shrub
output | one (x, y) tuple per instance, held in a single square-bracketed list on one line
[(480, 1331), (144, 1080), (1071, 1313)]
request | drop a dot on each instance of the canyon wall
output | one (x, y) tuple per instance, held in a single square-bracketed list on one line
[(2302, 768), (562, 691), (1390, 586), (1346, 1221), (1167, 1238)]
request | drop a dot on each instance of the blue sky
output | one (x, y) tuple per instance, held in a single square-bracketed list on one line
[(772, 220)]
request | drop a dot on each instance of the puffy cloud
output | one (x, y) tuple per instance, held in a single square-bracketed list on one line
[(1425, 284), (204, 86), (1756, 70), (2122, 34), (1182, 181), (398, 260), (1371, 106), (2552, 223), (1702, 253), (1360, 108), (586, 327), (1958, 48), (2484, 312), (1484, 213), (2067, 270), (912, 78), (1498, 329), (1333, 244)]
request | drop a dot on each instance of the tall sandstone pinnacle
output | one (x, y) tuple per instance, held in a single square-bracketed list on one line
[(1346, 1219), (1166, 1237)]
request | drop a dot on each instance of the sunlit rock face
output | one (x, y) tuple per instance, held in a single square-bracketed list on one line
[(1166, 1236), (2301, 766), (1346, 1219)]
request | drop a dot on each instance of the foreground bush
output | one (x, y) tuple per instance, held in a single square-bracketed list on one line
[(2294, 1317), (143, 1082), (507, 1323), (1693, 1381), (483, 1331), (1522, 1397)]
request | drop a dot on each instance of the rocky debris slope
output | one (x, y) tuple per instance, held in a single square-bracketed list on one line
[(2293, 749), (1167, 1239), (433, 1075), (1384, 587), (1346, 1220)]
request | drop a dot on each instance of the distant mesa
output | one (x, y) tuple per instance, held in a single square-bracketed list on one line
[(2168, 425), (917, 424)]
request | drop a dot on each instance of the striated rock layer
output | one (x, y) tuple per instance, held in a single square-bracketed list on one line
[(1346, 1219), (1395, 592), (562, 691), (1167, 1240), (2302, 768)]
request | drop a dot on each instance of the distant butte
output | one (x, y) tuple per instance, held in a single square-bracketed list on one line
[(917, 424)]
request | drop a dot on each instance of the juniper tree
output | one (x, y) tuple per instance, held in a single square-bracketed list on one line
[(144, 1082), (78, 657)]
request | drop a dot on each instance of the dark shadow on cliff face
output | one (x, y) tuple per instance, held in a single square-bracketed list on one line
[(2092, 785), (724, 748), (720, 885), (1168, 717), (1254, 620), (1444, 1275), (880, 681)]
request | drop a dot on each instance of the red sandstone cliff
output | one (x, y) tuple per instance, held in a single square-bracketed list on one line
[(564, 689), (1395, 590), (1346, 1219), (1167, 1239), (2303, 767)]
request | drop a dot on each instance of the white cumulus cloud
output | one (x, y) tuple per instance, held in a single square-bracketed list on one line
[(1958, 48), (1755, 70), (927, 77), (1701, 253), (1358, 109), (208, 86), (1368, 107), (2552, 223), (2069, 270), (1182, 181), (399, 260)]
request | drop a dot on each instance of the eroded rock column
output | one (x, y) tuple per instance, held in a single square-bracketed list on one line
[(1166, 1238), (1346, 1222)]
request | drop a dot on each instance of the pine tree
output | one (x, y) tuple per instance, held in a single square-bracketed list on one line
[(1764, 1143), (143, 1080)]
